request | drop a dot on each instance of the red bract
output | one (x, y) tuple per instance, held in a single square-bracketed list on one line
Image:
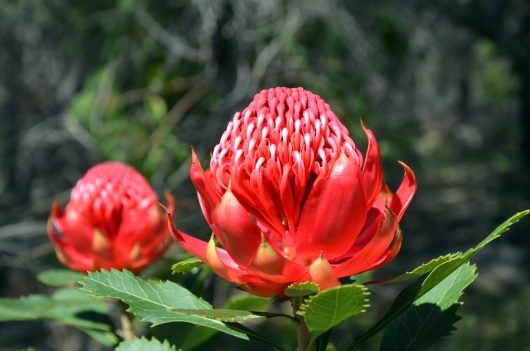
[(291, 199), (113, 220)]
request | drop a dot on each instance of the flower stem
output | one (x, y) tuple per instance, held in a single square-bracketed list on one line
[(126, 327), (303, 334), (126, 330)]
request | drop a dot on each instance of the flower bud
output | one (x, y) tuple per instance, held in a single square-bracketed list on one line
[(112, 221)]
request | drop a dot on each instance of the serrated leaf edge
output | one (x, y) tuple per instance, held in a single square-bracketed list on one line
[(192, 260), (311, 298), (447, 256), (177, 310), (468, 254), (301, 285), (164, 343)]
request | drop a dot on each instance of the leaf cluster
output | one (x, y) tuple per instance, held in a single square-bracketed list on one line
[(422, 314)]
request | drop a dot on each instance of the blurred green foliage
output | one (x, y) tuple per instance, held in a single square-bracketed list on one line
[(445, 86)]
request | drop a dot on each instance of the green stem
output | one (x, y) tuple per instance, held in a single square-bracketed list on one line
[(303, 334), (126, 327)]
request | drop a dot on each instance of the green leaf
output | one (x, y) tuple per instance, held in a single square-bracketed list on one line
[(430, 275), (59, 277), (504, 227), (449, 263), (185, 266), (105, 337), (162, 302), (301, 289), (449, 290), (65, 307), (431, 325), (199, 335), (431, 317), (67, 302), (445, 269), (143, 344), (223, 315), (248, 303), (362, 278), (322, 341), (425, 267), (401, 303), (328, 308)]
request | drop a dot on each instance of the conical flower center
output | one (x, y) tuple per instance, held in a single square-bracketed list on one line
[(283, 131), (275, 150), (107, 191)]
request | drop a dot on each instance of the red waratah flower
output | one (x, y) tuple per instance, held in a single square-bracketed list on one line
[(113, 220), (291, 199)]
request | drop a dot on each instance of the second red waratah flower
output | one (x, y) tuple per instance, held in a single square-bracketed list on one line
[(113, 220), (291, 199)]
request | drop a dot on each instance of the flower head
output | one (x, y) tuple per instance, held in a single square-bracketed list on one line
[(113, 220), (290, 198)]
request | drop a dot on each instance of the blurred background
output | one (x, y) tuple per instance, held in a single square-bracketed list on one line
[(444, 84)]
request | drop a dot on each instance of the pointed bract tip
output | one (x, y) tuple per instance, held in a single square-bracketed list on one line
[(266, 259), (164, 207), (212, 258), (362, 122), (322, 273), (194, 157), (408, 170)]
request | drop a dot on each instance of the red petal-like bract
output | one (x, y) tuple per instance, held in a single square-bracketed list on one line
[(290, 198), (113, 220)]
